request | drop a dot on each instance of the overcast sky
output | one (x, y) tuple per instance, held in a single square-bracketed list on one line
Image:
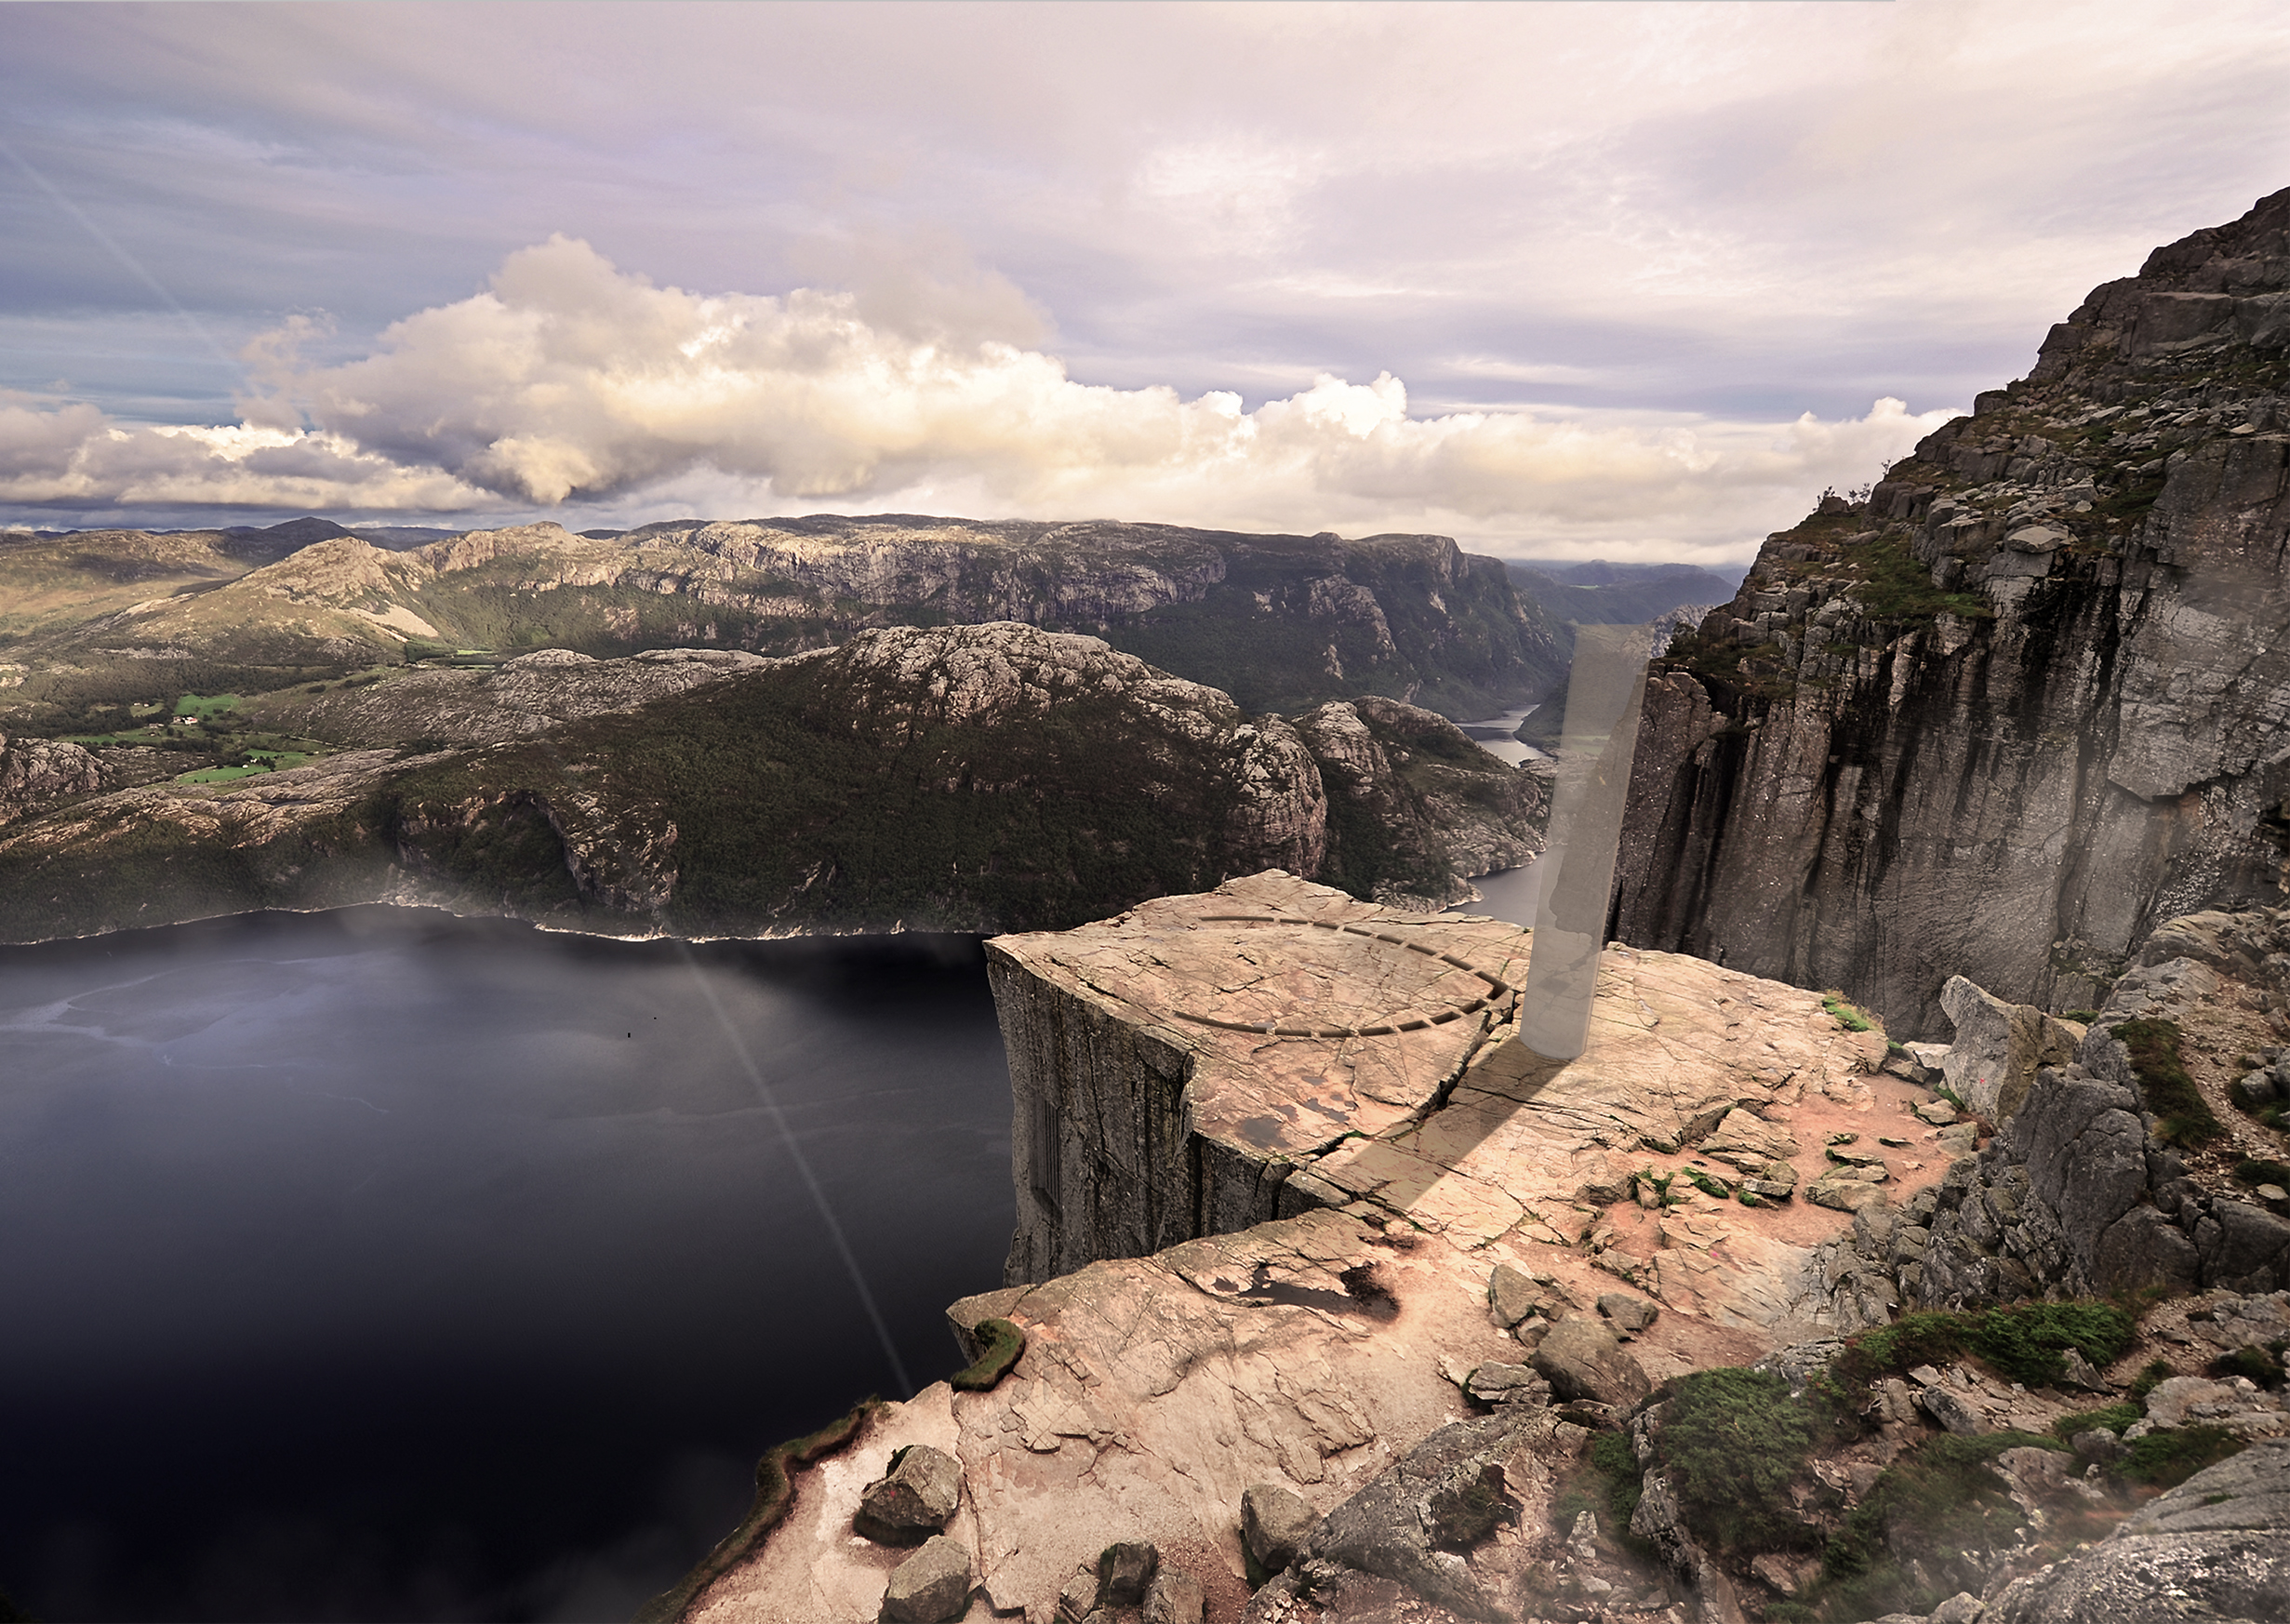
[(1620, 280)]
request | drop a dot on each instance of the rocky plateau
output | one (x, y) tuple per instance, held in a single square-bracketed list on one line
[(1334, 1300)]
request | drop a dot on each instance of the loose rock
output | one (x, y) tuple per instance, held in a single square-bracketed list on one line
[(1581, 1360), (915, 1500), (932, 1586), (1276, 1521)]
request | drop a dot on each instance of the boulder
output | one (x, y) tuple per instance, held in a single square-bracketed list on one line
[(2215, 1546), (1512, 1295), (1174, 1597), (1847, 1189), (915, 1500), (1276, 1521), (1628, 1314), (1581, 1359), (1499, 1384), (2183, 1400), (1952, 1410), (1992, 1063), (1124, 1571), (930, 1586), (1077, 1598), (1411, 1521)]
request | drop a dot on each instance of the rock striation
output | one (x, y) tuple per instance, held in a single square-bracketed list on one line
[(2025, 699)]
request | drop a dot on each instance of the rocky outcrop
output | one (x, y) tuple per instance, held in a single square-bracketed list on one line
[(1992, 1063), (2215, 1546), (2025, 699), (1414, 807), (1291, 1245), (36, 771), (1207, 1062), (2083, 1191)]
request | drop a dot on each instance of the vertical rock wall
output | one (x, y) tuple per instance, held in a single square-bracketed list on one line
[(1102, 1158), (2026, 699)]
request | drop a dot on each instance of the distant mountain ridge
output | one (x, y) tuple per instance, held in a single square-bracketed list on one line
[(1280, 622), (1594, 592)]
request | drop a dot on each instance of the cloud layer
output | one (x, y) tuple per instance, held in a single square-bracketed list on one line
[(571, 381)]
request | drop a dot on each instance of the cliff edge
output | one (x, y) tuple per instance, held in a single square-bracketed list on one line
[(2026, 699)]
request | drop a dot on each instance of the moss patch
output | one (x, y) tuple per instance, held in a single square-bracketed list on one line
[(1002, 1343), (2170, 1091), (775, 1492)]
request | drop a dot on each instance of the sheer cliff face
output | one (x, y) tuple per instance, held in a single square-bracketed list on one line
[(2024, 700)]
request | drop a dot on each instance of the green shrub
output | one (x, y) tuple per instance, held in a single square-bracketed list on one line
[(1849, 1016), (2262, 1366), (2113, 1418), (2254, 1171), (1617, 1463), (2025, 1342), (2169, 1455), (2152, 1375), (1732, 1441), (2170, 1091)]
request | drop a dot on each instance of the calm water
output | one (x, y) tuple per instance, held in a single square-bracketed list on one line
[(382, 1265), (1509, 895)]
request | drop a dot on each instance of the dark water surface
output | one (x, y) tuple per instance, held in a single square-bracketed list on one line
[(362, 1266)]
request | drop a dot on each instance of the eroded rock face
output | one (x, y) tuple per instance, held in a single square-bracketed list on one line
[(2023, 703), (1414, 806), (2215, 1546), (35, 771), (2080, 1192)]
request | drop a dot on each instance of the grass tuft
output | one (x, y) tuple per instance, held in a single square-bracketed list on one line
[(1002, 1343), (2170, 1090)]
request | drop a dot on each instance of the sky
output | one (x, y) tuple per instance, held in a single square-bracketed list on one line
[(1613, 280)]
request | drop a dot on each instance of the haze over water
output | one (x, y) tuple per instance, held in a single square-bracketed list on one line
[(365, 1265)]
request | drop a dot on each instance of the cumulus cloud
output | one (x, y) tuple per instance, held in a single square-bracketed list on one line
[(571, 381)]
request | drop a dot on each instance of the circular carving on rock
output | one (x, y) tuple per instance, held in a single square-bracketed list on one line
[(1387, 1026)]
